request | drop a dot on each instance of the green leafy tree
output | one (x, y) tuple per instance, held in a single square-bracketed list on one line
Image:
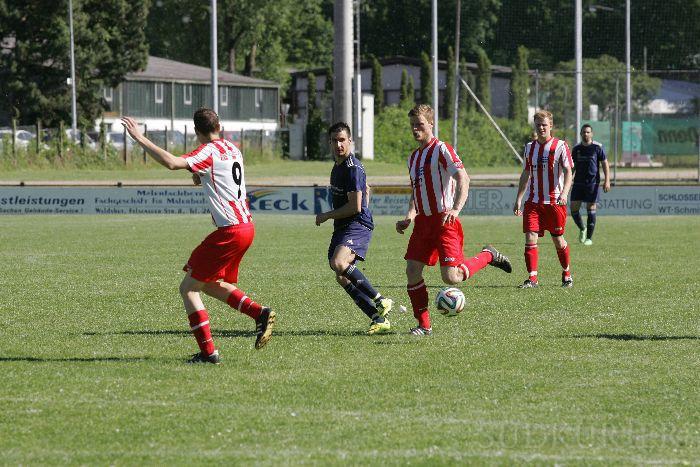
[(109, 42), (483, 80), (426, 79), (450, 84), (519, 82), (377, 87), (599, 88), (466, 102)]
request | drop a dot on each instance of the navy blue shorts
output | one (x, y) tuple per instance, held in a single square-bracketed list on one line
[(585, 193), (354, 236)]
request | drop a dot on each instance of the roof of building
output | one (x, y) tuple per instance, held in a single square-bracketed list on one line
[(163, 69), (400, 60), (673, 90)]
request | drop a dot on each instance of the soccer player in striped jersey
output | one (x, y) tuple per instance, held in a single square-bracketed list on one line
[(440, 186), (352, 229), (546, 177), (213, 265), (588, 156)]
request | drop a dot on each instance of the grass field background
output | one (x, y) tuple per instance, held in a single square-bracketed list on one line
[(94, 341)]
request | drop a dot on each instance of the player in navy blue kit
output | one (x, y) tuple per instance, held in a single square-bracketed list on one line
[(588, 156), (352, 229)]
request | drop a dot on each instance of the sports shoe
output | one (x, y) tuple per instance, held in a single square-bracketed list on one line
[(263, 327), (528, 284), (567, 281), (379, 328), (199, 357), (420, 332), (499, 260), (384, 306), (582, 235), (588, 242)]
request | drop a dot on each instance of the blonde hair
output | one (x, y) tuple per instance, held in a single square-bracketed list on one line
[(425, 110), (542, 114)]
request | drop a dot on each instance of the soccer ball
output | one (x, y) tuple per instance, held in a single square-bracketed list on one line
[(450, 301)]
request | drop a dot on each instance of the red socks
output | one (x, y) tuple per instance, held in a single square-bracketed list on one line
[(564, 260), (531, 260), (241, 302), (475, 264), (199, 324), (418, 293)]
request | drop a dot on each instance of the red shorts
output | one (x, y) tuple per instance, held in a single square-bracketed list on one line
[(219, 255), (431, 239), (541, 217)]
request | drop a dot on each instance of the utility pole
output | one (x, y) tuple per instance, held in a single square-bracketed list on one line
[(435, 70), (73, 103), (342, 61), (358, 82), (579, 67), (455, 104), (214, 61), (628, 52)]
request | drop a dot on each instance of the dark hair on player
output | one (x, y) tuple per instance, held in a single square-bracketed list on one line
[(586, 126), (338, 127), (206, 121)]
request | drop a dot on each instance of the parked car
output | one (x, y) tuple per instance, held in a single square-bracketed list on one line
[(22, 137)]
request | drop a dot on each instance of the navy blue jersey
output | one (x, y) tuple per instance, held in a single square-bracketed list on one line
[(587, 161), (346, 177)]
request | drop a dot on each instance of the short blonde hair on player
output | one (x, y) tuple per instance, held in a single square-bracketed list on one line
[(425, 110), (544, 114)]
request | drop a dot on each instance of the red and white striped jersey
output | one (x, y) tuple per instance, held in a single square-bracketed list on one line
[(219, 164), (545, 164), (431, 169)]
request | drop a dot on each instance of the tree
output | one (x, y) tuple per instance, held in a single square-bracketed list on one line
[(377, 86), (403, 92), (109, 42), (450, 84), (411, 92), (483, 80), (314, 121), (426, 79), (251, 41), (466, 103), (599, 88), (519, 82)]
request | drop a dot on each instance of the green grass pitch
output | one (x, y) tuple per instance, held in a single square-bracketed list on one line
[(94, 340)]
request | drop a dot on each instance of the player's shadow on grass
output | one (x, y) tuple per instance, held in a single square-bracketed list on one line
[(634, 337), (74, 359), (232, 333)]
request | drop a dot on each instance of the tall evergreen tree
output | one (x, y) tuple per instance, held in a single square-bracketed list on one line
[(403, 92), (519, 82), (411, 92), (483, 80), (450, 84), (314, 121), (426, 79), (377, 86), (465, 100)]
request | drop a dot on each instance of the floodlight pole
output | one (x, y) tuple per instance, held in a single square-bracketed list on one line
[(214, 60), (358, 82), (435, 70), (73, 103), (455, 104), (579, 68), (342, 61), (628, 52)]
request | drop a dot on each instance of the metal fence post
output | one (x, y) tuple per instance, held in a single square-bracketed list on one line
[(185, 148), (60, 139), (125, 145), (38, 136), (145, 133), (14, 140), (166, 137)]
